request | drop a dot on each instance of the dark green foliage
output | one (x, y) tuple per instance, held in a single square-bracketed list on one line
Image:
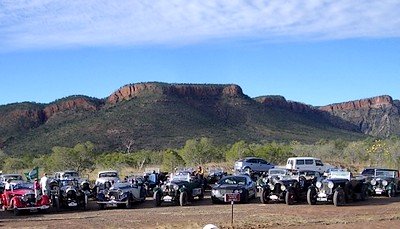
[(171, 160)]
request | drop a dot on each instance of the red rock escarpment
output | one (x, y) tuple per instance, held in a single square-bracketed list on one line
[(375, 102), (183, 90), (280, 101), (71, 104)]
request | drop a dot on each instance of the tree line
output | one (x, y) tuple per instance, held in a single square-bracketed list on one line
[(82, 157)]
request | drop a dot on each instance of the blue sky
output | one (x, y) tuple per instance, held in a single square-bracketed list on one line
[(316, 52)]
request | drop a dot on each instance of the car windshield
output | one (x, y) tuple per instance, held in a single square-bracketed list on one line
[(69, 183), (385, 173), (233, 180), (13, 177), (181, 177), (71, 174), (108, 174), (23, 186), (121, 185), (273, 172)]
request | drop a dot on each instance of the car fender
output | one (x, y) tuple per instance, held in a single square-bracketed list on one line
[(45, 200), (16, 202)]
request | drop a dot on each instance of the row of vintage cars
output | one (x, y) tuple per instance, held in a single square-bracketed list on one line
[(68, 190)]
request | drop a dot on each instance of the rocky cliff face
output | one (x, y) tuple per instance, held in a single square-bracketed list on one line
[(16, 118), (182, 90), (280, 101), (377, 116), (79, 103)]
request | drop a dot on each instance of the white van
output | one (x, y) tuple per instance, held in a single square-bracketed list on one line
[(306, 163)]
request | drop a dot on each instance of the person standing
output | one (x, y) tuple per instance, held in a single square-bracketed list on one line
[(43, 184), (36, 187)]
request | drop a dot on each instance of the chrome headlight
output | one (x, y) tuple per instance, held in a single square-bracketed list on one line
[(163, 187), (373, 182), (271, 186), (238, 191), (283, 188), (384, 182), (214, 192), (318, 184), (331, 184), (175, 187)]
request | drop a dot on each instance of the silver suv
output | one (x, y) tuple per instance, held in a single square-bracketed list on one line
[(252, 164)]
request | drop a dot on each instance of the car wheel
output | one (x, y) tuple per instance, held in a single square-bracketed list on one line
[(392, 192), (214, 200), (339, 197), (264, 198), (201, 196), (364, 192), (17, 212), (312, 196), (129, 204), (183, 198), (289, 197), (56, 203), (157, 198), (101, 206)]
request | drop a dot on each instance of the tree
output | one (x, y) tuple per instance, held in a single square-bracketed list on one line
[(238, 150), (198, 152), (79, 158), (171, 160)]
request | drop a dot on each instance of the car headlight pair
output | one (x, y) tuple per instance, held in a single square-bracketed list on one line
[(271, 186), (330, 184), (215, 192), (238, 191)]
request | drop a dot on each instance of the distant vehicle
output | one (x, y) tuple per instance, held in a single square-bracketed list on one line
[(338, 188), (382, 181), (69, 194), (234, 184), (15, 179), (281, 185), (122, 194), (252, 164), (180, 189), (21, 197), (307, 163)]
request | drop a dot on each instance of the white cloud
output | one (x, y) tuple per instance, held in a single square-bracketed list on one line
[(59, 23)]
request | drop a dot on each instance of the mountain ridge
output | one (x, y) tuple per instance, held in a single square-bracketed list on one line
[(204, 109)]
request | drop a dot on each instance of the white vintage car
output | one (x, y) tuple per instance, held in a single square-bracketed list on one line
[(109, 176)]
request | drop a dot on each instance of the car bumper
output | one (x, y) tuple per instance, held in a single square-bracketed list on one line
[(112, 202), (35, 208)]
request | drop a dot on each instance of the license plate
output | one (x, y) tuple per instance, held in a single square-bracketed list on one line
[(273, 197), (167, 198), (322, 199), (72, 204)]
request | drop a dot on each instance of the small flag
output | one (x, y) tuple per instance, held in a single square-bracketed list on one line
[(34, 173)]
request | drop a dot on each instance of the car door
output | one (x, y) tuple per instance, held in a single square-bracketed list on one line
[(264, 165)]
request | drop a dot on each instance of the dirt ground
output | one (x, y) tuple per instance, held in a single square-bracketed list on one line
[(377, 212)]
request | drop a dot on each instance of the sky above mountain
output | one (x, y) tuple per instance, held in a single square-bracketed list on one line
[(316, 52)]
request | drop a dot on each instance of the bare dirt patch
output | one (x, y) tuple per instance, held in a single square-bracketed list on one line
[(378, 212)]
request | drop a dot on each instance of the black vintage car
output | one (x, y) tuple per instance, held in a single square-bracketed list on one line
[(180, 189), (213, 176), (242, 184), (283, 186), (338, 188), (121, 194), (382, 181), (68, 193)]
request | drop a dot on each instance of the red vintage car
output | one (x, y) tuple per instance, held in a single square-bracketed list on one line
[(21, 198)]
